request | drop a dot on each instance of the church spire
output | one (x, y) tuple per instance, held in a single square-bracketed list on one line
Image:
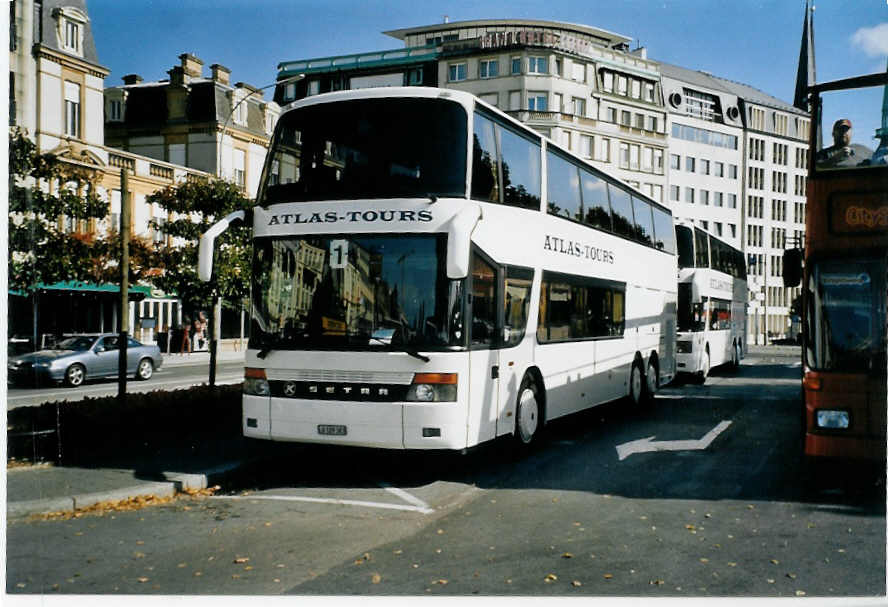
[(807, 74)]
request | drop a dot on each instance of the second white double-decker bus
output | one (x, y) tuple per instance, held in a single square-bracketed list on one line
[(712, 299), (431, 274)]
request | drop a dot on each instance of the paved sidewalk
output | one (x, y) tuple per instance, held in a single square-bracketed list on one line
[(200, 358), (46, 488)]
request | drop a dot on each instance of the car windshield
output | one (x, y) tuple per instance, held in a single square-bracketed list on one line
[(354, 292), (846, 315), (77, 344)]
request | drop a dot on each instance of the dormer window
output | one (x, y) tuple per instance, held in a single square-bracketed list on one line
[(70, 26)]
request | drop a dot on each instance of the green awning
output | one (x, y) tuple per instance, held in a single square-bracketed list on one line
[(136, 293)]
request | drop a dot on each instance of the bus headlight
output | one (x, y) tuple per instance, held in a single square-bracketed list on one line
[(433, 388), (255, 382), (833, 420)]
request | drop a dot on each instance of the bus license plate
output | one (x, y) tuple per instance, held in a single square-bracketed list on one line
[(329, 430)]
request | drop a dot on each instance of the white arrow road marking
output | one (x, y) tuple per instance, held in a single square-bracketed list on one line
[(647, 445)]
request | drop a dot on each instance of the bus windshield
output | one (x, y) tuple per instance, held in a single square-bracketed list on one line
[(368, 148), (846, 315), (354, 292)]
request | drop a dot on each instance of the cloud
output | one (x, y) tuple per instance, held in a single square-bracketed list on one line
[(872, 40)]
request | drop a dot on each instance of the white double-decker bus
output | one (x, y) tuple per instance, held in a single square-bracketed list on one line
[(431, 274), (711, 302)]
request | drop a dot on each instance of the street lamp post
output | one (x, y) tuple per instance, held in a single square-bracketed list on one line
[(288, 80), (217, 302)]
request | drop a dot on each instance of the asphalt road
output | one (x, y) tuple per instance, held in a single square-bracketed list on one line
[(166, 378), (725, 512)]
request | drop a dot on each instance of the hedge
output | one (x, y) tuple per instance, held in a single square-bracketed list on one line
[(71, 432)]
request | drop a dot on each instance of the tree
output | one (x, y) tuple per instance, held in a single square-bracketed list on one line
[(193, 207), (44, 190)]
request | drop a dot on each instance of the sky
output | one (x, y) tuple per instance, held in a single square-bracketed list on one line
[(755, 42)]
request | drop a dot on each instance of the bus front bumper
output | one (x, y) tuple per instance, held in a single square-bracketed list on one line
[(386, 425)]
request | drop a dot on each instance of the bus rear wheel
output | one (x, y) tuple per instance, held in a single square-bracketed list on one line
[(528, 413), (636, 384), (652, 381)]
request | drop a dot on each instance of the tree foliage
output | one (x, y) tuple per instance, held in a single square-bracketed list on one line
[(193, 207), (42, 190)]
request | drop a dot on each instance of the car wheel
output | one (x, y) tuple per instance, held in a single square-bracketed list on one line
[(528, 414), (75, 375), (145, 369)]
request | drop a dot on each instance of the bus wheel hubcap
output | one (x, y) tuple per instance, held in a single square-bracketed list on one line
[(528, 415)]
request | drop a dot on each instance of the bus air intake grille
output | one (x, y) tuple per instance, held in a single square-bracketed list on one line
[(339, 391), (341, 377)]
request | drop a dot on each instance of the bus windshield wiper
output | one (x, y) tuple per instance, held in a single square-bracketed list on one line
[(401, 348)]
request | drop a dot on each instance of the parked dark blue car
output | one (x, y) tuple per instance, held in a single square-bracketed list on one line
[(76, 359)]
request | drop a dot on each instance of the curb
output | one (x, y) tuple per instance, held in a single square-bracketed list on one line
[(176, 483)]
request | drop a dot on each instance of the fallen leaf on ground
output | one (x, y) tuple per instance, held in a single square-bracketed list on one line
[(142, 580), (567, 555), (241, 560), (608, 576), (576, 583), (551, 578), (376, 578)]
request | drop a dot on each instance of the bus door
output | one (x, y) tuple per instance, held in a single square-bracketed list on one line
[(499, 309), (483, 398)]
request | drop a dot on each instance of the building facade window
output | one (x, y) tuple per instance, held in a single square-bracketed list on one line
[(115, 111), (72, 109), (675, 162), (578, 72), (239, 168), (587, 146), (690, 163), (456, 72), (537, 101), (674, 193), (605, 150), (537, 64), (488, 68), (516, 65), (579, 106)]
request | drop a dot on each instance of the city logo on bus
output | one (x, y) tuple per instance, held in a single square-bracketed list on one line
[(861, 216), (371, 216), (578, 249)]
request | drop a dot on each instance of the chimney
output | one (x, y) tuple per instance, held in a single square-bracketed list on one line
[(132, 79), (251, 90), (221, 74), (177, 76), (191, 65)]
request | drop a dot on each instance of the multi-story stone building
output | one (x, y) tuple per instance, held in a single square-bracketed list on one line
[(735, 154), (56, 99), (207, 124)]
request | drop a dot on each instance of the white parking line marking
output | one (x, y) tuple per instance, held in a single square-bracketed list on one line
[(322, 500), (412, 499)]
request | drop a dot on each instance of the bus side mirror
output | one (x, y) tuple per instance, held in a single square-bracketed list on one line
[(792, 267), (459, 240), (207, 242)]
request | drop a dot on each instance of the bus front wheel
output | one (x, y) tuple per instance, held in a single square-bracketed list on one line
[(703, 373), (528, 414)]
